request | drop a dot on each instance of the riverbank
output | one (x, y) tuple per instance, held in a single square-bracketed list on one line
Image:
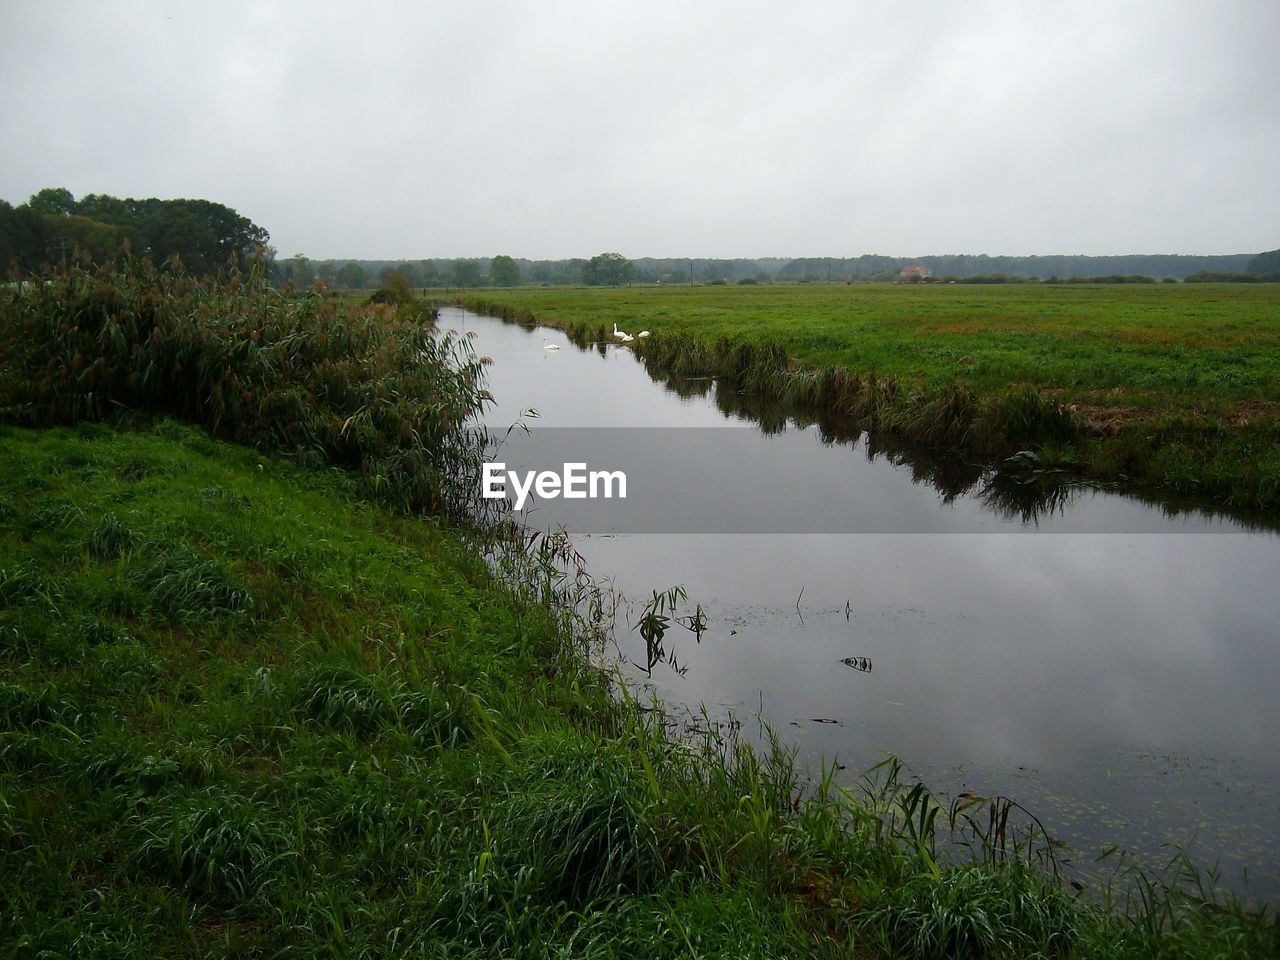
[(260, 699), (247, 712), (1171, 390)]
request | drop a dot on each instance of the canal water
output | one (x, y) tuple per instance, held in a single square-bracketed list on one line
[(1110, 664)]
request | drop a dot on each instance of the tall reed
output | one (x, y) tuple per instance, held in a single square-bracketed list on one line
[(373, 389)]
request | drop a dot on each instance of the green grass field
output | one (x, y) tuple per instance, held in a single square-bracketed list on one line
[(1175, 387), (1165, 346)]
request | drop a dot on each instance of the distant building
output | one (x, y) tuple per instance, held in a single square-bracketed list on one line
[(916, 271)]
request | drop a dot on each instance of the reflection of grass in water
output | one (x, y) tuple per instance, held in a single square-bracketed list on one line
[(1172, 389), (1147, 810)]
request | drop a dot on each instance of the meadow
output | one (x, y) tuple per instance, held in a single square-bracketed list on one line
[(263, 694), (1173, 387)]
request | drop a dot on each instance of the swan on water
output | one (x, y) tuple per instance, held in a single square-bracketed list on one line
[(549, 346)]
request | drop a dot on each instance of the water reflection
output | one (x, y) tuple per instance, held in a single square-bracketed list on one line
[(1120, 685), (1016, 489)]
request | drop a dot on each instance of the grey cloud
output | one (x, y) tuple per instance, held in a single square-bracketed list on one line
[(716, 129)]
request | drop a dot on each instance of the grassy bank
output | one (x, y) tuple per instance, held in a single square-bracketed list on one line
[(260, 699), (1173, 388), (247, 713)]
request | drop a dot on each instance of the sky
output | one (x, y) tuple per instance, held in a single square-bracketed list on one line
[(720, 128)]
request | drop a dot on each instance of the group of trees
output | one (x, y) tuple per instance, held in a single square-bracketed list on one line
[(500, 271), (1266, 265), (53, 227), (608, 270), (301, 271)]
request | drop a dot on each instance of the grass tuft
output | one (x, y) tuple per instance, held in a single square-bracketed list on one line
[(110, 538), (213, 842)]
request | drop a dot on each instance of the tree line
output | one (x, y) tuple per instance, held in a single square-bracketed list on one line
[(605, 269), (54, 228), (204, 237), (608, 269)]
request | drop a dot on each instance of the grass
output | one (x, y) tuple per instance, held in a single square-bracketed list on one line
[(1171, 387), (370, 390), (252, 704), (384, 751)]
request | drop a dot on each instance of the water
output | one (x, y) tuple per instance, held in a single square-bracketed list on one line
[(1108, 664)]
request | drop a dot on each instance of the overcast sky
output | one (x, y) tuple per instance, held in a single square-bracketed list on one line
[(705, 129)]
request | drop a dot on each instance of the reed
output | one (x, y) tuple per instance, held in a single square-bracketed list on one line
[(373, 390)]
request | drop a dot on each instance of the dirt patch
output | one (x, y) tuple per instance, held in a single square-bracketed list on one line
[(961, 328), (1103, 412), (1253, 411), (1106, 412)]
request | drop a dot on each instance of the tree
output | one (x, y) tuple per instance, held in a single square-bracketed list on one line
[(87, 238), (464, 273), (396, 288), (108, 209), (1266, 264), (351, 276), (206, 235), (57, 201), (504, 272), (22, 238), (410, 271), (608, 269), (298, 270)]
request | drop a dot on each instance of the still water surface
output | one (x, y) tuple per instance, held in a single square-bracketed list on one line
[(1110, 666)]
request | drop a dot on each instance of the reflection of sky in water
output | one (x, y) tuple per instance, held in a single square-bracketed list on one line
[(1120, 684)]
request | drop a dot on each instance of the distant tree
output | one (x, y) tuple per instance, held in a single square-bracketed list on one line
[(108, 209), (428, 275), (504, 272), (297, 270), (205, 236), (399, 283), (608, 270), (22, 239), (56, 201), (464, 273), (1265, 264), (350, 276), (396, 288), (85, 238), (713, 270)]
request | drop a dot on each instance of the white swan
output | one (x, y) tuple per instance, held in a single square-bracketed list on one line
[(643, 333), (621, 334), (549, 346)]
